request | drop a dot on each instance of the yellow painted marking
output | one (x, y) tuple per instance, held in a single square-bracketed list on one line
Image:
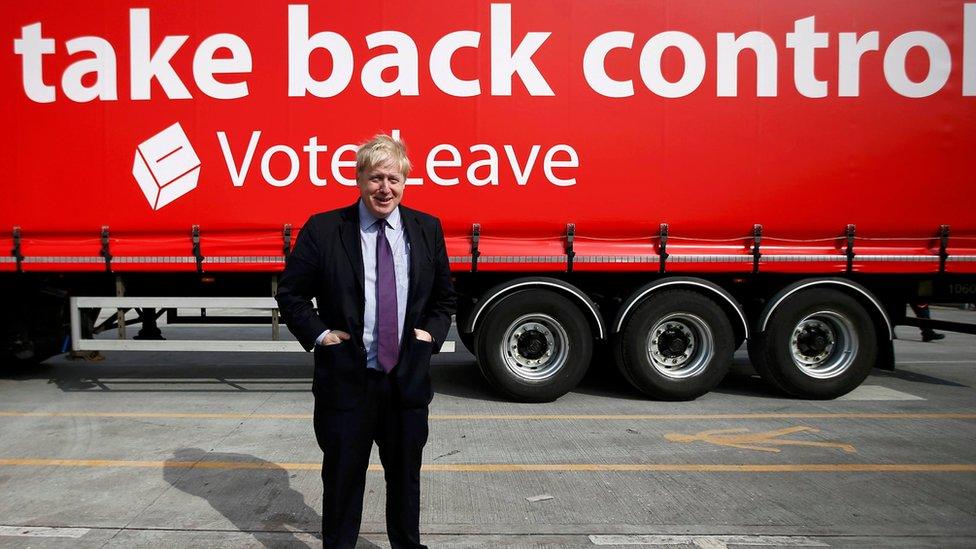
[(692, 417), (527, 467), (764, 441), (157, 415), (40, 462), (516, 417), (706, 467)]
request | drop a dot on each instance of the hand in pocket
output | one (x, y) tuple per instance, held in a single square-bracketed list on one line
[(335, 337)]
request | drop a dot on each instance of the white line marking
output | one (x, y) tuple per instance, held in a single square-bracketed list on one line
[(42, 532), (903, 363), (877, 392), (708, 542)]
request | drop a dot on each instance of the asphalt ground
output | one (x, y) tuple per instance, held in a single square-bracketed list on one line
[(217, 450)]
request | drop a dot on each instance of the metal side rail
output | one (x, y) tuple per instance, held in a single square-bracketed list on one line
[(268, 304), (79, 343)]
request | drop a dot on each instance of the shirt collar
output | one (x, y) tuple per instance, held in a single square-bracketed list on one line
[(367, 219)]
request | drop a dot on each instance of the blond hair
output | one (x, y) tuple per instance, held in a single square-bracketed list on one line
[(380, 149)]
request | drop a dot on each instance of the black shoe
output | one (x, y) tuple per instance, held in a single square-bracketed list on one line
[(932, 336)]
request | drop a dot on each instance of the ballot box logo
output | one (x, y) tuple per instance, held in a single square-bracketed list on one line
[(166, 166)]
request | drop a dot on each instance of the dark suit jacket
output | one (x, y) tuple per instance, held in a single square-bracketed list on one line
[(327, 264)]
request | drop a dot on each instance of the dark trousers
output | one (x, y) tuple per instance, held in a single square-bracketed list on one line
[(921, 310), (346, 438)]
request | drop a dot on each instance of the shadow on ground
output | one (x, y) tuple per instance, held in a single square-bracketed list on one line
[(916, 377), (461, 379), (257, 499), (454, 374), (174, 372)]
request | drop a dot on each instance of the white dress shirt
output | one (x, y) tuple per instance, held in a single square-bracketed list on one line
[(397, 238)]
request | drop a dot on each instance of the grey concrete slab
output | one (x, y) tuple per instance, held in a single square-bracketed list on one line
[(225, 539), (148, 414)]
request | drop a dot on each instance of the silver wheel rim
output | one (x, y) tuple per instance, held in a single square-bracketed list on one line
[(680, 345), (535, 347), (823, 344)]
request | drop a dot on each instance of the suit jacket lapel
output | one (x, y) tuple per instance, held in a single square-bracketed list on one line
[(415, 234), (349, 236)]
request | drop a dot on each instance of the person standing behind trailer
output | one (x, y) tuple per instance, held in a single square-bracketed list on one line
[(381, 277), (921, 310)]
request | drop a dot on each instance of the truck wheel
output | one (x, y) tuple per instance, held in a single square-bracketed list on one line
[(677, 345), (820, 344), (534, 345)]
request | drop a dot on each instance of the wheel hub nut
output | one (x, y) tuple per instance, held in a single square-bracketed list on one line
[(673, 343), (532, 345), (812, 341)]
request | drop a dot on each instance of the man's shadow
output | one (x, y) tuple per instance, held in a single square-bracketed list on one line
[(257, 498)]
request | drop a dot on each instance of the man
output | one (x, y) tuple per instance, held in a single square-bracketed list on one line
[(921, 310), (380, 274)]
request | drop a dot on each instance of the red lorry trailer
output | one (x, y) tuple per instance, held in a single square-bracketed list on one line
[(655, 182)]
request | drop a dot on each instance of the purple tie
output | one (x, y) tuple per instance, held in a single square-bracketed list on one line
[(386, 301)]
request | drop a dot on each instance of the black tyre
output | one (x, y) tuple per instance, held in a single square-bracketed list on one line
[(819, 344), (677, 345), (534, 345)]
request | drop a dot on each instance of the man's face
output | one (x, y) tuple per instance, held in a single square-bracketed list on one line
[(382, 188)]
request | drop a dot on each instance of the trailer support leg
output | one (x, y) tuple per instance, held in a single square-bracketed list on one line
[(120, 313)]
